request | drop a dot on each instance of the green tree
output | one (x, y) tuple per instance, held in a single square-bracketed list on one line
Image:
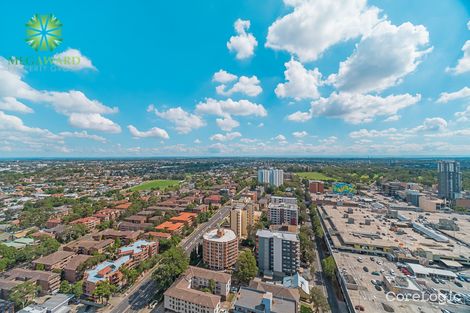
[(245, 268), (318, 300), (104, 290), (329, 266), (23, 294), (77, 289), (65, 287), (173, 263)]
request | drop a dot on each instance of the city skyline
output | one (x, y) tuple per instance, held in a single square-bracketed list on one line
[(240, 79)]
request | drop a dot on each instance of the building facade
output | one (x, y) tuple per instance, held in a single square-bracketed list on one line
[(283, 213), (241, 217), (449, 180), (277, 253), (272, 176), (220, 249), (316, 186)]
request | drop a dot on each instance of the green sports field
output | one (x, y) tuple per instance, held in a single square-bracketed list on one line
[(158, 183), (314, 176)]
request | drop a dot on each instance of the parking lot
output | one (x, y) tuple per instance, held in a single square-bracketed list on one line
[(368, 272)]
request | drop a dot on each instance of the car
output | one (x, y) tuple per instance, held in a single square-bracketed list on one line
[(359, 308), (435, 280), (442, 281), (365, 269), (378, 288), (459, 284), (375, 273), (373, 281)]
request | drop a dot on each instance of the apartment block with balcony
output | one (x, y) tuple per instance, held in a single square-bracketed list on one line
[(277, 253)]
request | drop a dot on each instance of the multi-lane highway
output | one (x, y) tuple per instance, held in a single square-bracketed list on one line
[(142, 293)]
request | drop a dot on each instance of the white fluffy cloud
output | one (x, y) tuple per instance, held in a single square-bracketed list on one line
[(300, 82), (365, 133), (300, 134), (225, 137), (87, 113), (244, 43), (184, 121), (73, 60), (230, 107), (84, 135), (463, 93), (281, 139), (227, 123), (223, 77), (316, 25), (329, 140), (14, 123), (93, 121), (463, 116), (463, 64), (245, 85), (356, 108), (433, 124), (152, 132), (382, 58), (13, 105)]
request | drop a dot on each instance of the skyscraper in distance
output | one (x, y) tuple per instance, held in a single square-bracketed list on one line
[(272, 176), (449, 179)]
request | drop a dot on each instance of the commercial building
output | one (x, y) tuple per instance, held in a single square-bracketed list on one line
[(220, 249), (56, 304), (277, 253), (186, 296), (273, 177), (431, 204), (283, 213), (449, 179), (429, 233), (316, 186)]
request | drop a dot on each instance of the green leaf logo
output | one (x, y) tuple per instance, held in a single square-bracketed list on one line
[(44, 32)]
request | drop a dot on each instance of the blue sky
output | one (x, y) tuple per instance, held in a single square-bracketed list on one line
[(197, 78)]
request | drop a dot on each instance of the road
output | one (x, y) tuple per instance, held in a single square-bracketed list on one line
[(142, 293)]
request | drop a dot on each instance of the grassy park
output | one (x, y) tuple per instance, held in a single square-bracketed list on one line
[(314, 176), (156, 184)]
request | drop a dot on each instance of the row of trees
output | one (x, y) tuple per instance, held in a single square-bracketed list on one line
[(11, 256), (171, 264)]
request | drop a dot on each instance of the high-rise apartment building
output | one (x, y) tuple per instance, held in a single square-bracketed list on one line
[(273, 177), (277, 253), (220, 249), (283, 213), (241, 217), (449, 179)]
